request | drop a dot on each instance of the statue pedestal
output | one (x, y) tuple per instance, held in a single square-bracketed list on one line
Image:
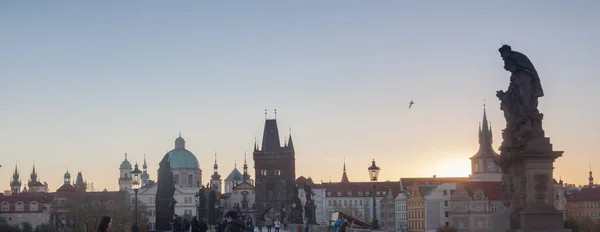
[(532, 207)]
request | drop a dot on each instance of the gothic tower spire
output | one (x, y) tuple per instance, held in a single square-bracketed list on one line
[(344, 175)]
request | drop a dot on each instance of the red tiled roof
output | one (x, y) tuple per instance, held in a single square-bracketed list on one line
[(35, 184), (28, 197), (301, 181), (360, 189), (586, 194), (490, 189)]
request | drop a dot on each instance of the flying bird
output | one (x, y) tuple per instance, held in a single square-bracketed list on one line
[(410, 104)]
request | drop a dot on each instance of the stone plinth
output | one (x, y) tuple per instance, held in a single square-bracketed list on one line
[(532, 204)]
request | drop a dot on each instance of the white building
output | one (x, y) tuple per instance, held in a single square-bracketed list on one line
[(187, 177), (401, 213)]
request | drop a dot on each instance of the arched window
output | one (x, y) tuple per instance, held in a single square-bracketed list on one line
[(5, 207), (33, 206), (19, 206)]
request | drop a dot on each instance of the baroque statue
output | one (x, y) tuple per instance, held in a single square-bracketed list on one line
[(309, 206), (165, 202)]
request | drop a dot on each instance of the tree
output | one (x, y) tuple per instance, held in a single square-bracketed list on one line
[(26, 227), (6, 227), (585, 224), (446, 229), (44, 228)]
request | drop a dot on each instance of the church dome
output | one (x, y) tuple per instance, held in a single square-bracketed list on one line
[(67, 175), (125, 164), (181, 158)]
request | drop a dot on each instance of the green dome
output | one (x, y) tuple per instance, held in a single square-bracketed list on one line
[(67, 175), (182, 158), (125, 165)]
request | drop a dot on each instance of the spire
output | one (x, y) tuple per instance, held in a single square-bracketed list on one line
[(485, 138), (591, 178), (125, 155), (145, 166), (255, 144), (234, 164), (344, 176), (246, 175), (290, 143), (215, 175), (33, 175)]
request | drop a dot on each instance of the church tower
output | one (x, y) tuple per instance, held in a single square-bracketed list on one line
[(145, 177), (215, 178), (15, 183), (483, 166), (275, 172), (125, 181)]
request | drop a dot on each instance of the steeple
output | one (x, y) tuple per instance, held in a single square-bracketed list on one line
[(215, 175), (145, 166), (271, 142), (344, 176), (290, 143), (15, 184), (591, 178), (33, 176), (485, 138), (80, 185), (246, 175)]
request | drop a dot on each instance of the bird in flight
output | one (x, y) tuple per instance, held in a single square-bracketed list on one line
[(410, 104)]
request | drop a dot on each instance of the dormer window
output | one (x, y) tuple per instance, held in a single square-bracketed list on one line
[(339, 194), (328, 194), (349, 193), (360, 194)]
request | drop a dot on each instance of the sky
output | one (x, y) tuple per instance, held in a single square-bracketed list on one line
[(82, 83)]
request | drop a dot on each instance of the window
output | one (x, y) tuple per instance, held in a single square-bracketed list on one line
[(445, 203), (360, 202), (190, 179), (447, 224), (344, 202), (33, 206), (479, 224), (461, 224), (19, 206), (451, 192), (329, 202), (176, 179), (277, 172), (151, 200), (494, 207), (263, 172), (445, 192)]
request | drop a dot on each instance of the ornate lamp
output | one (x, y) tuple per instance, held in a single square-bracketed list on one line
[(373, 174), (135, 174)]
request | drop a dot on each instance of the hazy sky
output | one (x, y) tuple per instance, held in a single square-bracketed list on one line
[(81, 83)]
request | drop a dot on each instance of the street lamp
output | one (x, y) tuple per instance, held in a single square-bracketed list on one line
[(373, 174), (136, 186)]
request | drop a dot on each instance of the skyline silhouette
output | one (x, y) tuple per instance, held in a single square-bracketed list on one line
[(83, 83)]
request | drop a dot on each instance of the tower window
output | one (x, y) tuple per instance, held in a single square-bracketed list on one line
[(176, 179), (190, 179)]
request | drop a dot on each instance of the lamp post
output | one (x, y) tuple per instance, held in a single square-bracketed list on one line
[(136, 186), (293, 219), (373, 174), (216, 211)]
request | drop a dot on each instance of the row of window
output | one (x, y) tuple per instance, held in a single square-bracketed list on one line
[(360, 194), (190, 179), (587, 205), (19, 206), (416, 224), (347, 203), (266, 172)]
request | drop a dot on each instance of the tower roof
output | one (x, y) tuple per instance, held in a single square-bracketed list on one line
[(234, 175), (344, 176), (485, 139), (270, 142)]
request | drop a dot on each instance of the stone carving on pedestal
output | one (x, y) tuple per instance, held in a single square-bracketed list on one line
[(526, 155), (309, 206), (165, 203)]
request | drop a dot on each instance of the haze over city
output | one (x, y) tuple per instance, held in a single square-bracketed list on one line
[(82, 83)]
